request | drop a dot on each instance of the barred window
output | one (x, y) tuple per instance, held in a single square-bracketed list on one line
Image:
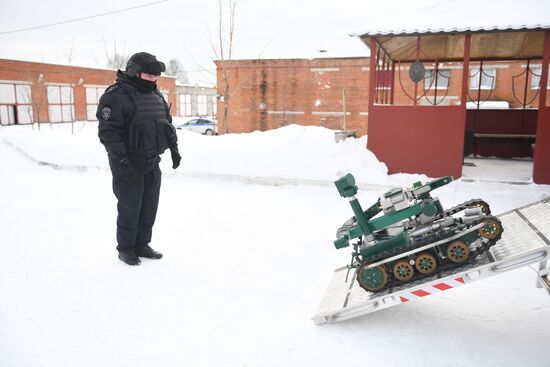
[(535, 77), (214, 105), (443, 77), (92, 100), (202, 105), (185, 104), (15, 104), (488, 78), (60, 103)]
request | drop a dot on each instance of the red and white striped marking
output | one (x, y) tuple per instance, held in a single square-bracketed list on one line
[(438, 287)]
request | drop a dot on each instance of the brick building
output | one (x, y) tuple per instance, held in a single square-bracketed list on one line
[(38, 92), (196, 101), (271, 93), (266, 94)]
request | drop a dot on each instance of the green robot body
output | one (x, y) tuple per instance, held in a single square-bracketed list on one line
[(407, 235)]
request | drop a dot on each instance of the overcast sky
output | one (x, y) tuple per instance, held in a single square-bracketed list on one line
[(183, 29), (180, 29)]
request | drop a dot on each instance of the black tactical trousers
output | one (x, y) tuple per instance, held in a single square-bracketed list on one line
[(137, 206)]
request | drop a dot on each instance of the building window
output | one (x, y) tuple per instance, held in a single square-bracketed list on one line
[(92, 100), (60, 103), (185, 104), (15, 104), (202, 105), (488, 78), (535, 77), (214, 105), (443, 76)]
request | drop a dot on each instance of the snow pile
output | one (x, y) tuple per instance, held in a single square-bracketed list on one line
[(58, 144), (292, 152)]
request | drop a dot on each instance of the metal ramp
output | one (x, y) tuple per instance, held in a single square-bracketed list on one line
[(525, 241)]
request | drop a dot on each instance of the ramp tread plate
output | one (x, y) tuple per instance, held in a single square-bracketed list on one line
[(518, 237), (539, 216), (336, 292)]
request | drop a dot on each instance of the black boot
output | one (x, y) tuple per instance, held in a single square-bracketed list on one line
[(129, 257), (148, 252)]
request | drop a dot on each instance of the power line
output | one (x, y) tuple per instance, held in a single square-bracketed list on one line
[(78, 67), (83, 18)]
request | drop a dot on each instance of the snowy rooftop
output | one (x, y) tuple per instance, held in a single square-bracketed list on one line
[(462, 16)]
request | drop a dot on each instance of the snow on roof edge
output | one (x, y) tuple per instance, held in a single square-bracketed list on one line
[(495, 28)]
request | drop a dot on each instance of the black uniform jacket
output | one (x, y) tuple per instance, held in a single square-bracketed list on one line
[(134, 122)]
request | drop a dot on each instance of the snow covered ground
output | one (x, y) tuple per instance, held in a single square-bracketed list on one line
[(516, 171), (246, 226)]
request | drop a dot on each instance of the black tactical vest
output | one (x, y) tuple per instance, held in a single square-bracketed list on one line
[(149, 133)]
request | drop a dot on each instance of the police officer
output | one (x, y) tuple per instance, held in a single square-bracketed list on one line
[(135, 127)]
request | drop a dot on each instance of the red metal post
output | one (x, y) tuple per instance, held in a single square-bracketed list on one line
[(465, 69), (541, 159), (544, 73), (386, 79), (377, 75), (392, 83), (417, 57), (382, 75), (436, 70), (372, 74), (466, 82), (525, 96)]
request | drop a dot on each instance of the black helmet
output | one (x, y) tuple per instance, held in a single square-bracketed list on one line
[(143, 62)]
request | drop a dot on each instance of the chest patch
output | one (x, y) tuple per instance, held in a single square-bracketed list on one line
[(106, 112)]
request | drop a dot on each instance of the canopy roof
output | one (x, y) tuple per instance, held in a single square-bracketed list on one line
[(500, 30), (450, 47)]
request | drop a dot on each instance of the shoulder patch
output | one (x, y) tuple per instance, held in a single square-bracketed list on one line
[(106, 112), (111, 89)]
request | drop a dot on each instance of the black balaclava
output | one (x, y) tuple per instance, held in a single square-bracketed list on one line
[(142, 84), (143, 62)]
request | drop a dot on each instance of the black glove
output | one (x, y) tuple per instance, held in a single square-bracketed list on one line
[(127, 170), (176, 158)]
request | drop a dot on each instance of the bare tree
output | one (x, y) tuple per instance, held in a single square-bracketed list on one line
[(174, 68), (115, 59), (223, 52), (69, 54), (37, 99), (70, 77), (26, 93)]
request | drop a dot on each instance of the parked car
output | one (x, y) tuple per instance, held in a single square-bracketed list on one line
[(199, 125)]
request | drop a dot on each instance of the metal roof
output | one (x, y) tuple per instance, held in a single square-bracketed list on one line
[(457, 16)]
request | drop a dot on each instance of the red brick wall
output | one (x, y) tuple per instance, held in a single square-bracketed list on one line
[(40, 74), (310, 91), (267, 94)]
